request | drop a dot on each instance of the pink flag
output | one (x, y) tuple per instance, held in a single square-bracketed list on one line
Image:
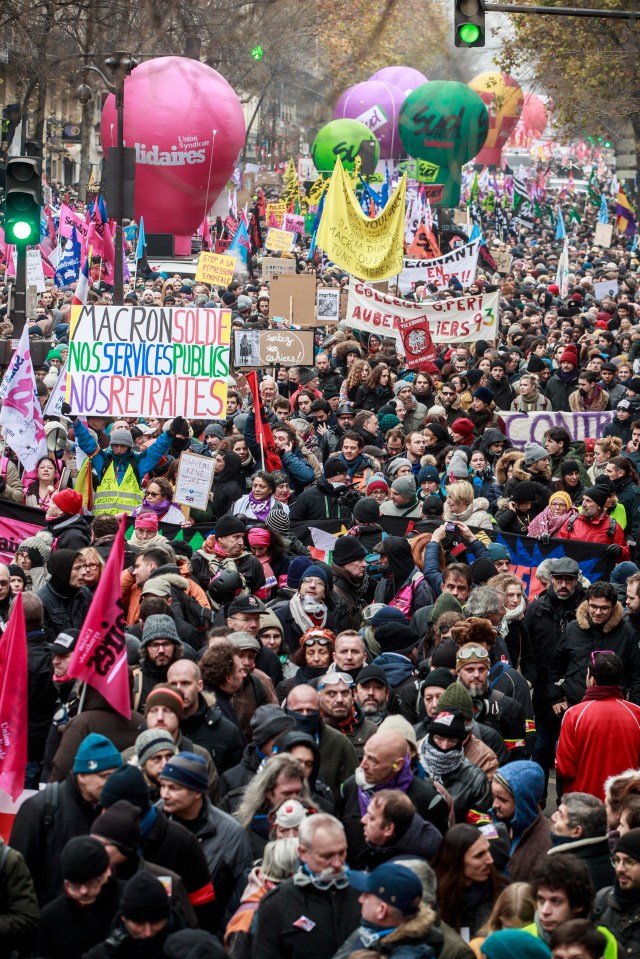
[(100, 656), (13, 702), (21, 414)]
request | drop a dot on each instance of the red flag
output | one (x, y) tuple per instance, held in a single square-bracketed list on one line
[(100, 656), (13, 702), (264, 435)]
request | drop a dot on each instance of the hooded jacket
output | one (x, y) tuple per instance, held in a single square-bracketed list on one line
[(414, 939), (421, 840), (65, 606), (69, 532), (529, 829), (403, 573)]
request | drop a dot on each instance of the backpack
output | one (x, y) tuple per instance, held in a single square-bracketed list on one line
[(611, 532)]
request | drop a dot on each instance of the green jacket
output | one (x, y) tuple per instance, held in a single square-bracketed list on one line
[(611, 949), (19, 912)]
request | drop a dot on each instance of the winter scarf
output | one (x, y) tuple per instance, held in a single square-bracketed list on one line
[(261, 508), (402, 780), (353, 465), (439, 762), (300, 618), (158, 508)]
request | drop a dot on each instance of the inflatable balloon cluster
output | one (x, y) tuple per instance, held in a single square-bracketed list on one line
[(185, 155), (532, 122)]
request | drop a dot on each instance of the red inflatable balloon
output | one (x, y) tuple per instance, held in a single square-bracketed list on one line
[(187, 126)]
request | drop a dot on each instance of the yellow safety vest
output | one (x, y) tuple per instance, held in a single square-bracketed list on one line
[(112, 498)]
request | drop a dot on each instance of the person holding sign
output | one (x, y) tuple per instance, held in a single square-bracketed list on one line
[(157, 500)]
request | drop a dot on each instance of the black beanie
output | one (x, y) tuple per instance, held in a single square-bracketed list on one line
[(366, 510), (629, 844), (536, 364), (440, 432), (482, 570), (347, 549), (144, 899), (128, 783), (396, 638), (120, 824), (334, 467), (569, 466), (228, 525), (598, 493), (83, 859), (524, 492)]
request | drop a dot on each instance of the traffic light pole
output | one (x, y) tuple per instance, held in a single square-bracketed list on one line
[(562, 11), (20, 295)]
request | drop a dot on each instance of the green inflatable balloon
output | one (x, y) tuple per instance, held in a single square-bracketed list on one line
[(346, 139), (446, 124)]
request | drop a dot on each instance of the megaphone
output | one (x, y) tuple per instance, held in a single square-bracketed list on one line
[(57, 439)]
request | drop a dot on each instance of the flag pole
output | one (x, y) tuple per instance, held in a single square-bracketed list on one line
[(83, 695)]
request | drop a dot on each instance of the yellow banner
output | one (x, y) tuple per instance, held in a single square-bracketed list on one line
[(370, 249), (215, 268)]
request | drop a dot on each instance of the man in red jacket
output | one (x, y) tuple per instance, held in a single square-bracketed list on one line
[(599, 737), (594, 525)]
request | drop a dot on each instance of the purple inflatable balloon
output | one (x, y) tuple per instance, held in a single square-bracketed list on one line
[(377, 105), (405, 78)]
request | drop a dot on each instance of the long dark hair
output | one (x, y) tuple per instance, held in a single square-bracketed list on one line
[(449, 868)]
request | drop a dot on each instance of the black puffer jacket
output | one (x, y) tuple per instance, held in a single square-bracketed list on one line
[(215, 733), (70, 532), (65, 607), (42, 695), (320, 501), (546, 619)]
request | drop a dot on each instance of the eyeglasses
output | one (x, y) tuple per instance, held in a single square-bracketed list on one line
[(596, 652), (92, 565), (160, 644), (153, 494), (600, 609), (332, 679), (467, 652), (623, 861)]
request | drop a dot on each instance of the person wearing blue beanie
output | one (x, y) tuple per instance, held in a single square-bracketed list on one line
[(96, 754), (507, 943)]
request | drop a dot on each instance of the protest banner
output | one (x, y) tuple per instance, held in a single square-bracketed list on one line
[(293, 223), (503, 261), (69, 219), (9, 810), (257, 348), (274, 265), (603, 234), (14, 685), (277, 210), (215, 268), (368, 248), (148, 361), (416, 341), (530, 427), (281, 241), (461, 263), (194, 479), (21, 414), (460, 320), (293, 299), (422, 170), (17, 522), (57, 395), (605, 288), (328, 306)]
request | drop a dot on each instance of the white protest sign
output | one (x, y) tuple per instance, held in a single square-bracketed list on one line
[(603, 234), (57, 395), (328, 307), (461, 263), (194, 479), (605, 288), (525, 428), (462, 320), (35, 273)]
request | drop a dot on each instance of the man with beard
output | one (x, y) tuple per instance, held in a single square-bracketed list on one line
[(545, 620), (226, 549), (338, 759), (160, 647), (154, 748), (448, 399), (589, 396), (326, 375), (498, 383), (492, 707), (339, 710), (372, 693)]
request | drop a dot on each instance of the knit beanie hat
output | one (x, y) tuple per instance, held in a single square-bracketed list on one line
[(159, 626), (432, 506), (366, 510), (458, 466), (375, 483), (227, 525), (396, 464), (449, 722), (445, 603), (68, 500), (428, 474), (348, 549), (314, 570), (146, 520), (121, 437), (534, 452), (120, 825), (296, 569), (405, 486), (536, 364), (334, 467), (396, 638), (440, 677), (37, 548), (128, 783), (388, 614), (400, 385), (165, 695), (569, 466), (269, 721), (570, 355), (395, 723), (83, 859), (188, 770), (144, 899), (561, 495), (153, 741), (95, 754), (629, 844), (598, 493), (457, 697), (215, 429), (482, 570), (387, 421), (15, 570), (278, 521), (524, 492), (440, 432), (484, 394), (463, 426), (514, 942), (498, 551)]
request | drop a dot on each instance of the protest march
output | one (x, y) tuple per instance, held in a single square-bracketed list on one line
[(320, 537)]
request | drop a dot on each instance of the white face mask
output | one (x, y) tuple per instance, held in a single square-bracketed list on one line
[(337, 485)]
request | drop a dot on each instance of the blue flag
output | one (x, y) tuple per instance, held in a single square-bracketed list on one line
[(239, 246), (142, 240), (634, 245), (69, 263), (316, 224), (561, 233), (603, 214), (475, 233)]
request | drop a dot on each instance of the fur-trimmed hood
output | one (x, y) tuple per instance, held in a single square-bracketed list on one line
[(503, 464), (415, 928), (582, 617), (520, 472)]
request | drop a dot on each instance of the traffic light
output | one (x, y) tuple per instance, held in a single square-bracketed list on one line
[(469, 23), (23, 198)]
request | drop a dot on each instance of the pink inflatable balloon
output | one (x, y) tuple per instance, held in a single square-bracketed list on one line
[(377, 105), (187, 126), (532, 122), (405, 78)]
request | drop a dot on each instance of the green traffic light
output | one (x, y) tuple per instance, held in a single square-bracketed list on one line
[(469, 33), (21, 230)]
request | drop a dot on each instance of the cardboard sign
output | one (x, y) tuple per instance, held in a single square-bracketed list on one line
[(344, 299), (605, 288), (328, 306), (293, 222), (274, 265), (279, 240), (503, 261), (278, 210), (215, 268), (294, 299), (258, 348), (460, 218), (194, 479), (603, 234), (149, 361)]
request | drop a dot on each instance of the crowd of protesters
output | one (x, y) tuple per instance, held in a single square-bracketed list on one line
[(378, 743)]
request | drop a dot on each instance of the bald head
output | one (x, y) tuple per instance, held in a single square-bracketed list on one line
[(303, 699), (384, 755), (186, 675)]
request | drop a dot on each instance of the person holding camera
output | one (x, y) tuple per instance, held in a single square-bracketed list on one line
[(328, 498)]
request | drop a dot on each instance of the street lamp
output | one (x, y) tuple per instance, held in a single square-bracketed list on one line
[(120, 66)]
